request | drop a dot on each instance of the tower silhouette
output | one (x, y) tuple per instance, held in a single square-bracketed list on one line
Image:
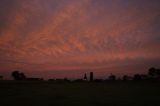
[(85, 76), (91, 76)]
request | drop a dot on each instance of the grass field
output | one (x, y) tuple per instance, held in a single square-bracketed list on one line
[(14, 93)]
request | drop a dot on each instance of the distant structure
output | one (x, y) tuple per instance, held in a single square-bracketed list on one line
[(91, 76), (1, 77), (85, 76)]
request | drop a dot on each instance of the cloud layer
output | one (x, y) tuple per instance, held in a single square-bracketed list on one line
[(100, 35)]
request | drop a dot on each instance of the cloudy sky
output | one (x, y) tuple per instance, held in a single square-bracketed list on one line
[(66, 38)]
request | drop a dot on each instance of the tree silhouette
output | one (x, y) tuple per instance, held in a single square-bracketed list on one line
[(125, 78), (112, 77), (18, 76), (137, 77), (22, 76), (152, 72), (15, 75)]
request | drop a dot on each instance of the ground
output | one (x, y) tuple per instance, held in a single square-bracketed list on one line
[(38, 93)]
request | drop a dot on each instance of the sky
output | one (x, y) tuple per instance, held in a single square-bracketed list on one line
[(67, 38)]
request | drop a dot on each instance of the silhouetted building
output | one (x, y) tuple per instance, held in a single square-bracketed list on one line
[(85, 76), (1, 77), (91, 76)]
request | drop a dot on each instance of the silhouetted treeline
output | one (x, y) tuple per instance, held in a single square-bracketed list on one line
[(152, 74), (21, 76), (18, 75)]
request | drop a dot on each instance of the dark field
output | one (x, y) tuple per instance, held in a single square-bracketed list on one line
[(14, 93)]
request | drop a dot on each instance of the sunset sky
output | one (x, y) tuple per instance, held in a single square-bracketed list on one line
[(66, 38)]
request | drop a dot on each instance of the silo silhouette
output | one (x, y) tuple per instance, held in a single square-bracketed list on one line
[(91, 76)]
